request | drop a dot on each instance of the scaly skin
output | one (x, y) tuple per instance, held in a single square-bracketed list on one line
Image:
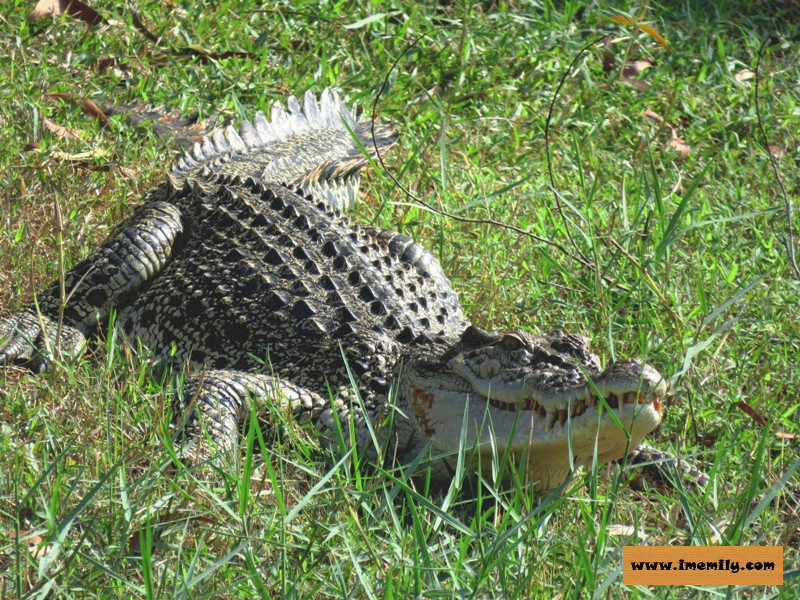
[(243, 265)]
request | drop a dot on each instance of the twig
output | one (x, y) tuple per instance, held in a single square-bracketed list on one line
[(789, 243), (547, 140), (62, 290), (416, 199), (137, 22)]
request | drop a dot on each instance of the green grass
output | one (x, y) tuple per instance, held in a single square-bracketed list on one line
[(688, 270)]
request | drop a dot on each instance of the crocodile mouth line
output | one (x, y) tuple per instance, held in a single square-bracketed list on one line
[(578, 408)]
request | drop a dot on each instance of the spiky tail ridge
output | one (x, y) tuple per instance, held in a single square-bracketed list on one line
[(309, 146)]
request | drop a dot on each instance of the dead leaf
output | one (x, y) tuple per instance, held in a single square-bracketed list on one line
[(34, 543), (137, 22), (134, 544), (79, 156), (125, 172), (88, 106), (102, 64), (648, 29), (36, 546), (637, 84), (652, 115), (776, 151), (751, 412), (73, 8), (681, 146), (744, 75), (60, 130), (91, 109), (633, 69), (185, 130), (58, 96), (608, 56), (626, 531), (675, 140)]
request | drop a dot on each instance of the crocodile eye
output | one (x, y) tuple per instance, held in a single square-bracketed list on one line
[(512, 342)]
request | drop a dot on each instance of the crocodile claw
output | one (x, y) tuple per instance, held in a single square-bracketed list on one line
[(29, 338)]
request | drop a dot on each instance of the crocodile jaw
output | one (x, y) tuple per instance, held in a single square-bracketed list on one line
[(541, 398), (541, 444)]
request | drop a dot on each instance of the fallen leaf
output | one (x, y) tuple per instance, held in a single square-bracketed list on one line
[(681, 146), (608, 56), (137, 22), (776, 151), (103, 64), (630, 71), (58, 96), (91, 109), (785, 435), (655, 35), (60, 130), (648, 29), (184, 129), (125, 172), (751, 412), (73, 8), (744, 75), (34, 544), (652, 115), (626, 531), (134, 544), (633, 69), (637, 84), (675, 140), (79, 156), (88, 106)]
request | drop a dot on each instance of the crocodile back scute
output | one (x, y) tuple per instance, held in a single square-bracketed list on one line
[(264, 273)]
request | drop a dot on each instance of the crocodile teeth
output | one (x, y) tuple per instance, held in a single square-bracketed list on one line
[(551, 420), (580, 408), (573, 410), (530, 404)]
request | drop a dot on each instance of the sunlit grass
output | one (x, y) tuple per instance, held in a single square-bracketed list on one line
[(687, 270)]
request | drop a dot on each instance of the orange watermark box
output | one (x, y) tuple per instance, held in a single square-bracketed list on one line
[(702, 565)]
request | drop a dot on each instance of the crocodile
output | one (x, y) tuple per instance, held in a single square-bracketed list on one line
[(245, 265)]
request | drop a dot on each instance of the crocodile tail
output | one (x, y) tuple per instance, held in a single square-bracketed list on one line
[(315, 146)]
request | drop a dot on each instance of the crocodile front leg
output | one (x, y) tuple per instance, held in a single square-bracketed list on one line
[(218, 400), (132, 255), (662, 468)]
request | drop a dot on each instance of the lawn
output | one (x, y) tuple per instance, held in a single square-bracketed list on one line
[(658, 227)]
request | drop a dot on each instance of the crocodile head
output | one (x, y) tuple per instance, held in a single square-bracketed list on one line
[(537, 396)]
